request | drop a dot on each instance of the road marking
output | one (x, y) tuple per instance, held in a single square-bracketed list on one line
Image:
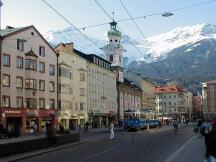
[(171, 157)]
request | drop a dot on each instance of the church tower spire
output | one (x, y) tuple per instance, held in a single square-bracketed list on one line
[(114, 49)]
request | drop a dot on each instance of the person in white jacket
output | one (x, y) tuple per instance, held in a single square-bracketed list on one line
[(111, 130)]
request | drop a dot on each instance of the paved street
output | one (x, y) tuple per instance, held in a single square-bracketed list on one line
[(158, 145)]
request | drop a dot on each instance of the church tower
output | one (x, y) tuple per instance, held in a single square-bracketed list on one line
[(114, 50)]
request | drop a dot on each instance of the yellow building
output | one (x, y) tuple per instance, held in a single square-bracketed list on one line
[(72, 70), (147, 87)]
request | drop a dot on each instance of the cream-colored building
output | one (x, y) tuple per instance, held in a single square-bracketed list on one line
[(102, 92), (28, 79), (173, 101), (72, 86)]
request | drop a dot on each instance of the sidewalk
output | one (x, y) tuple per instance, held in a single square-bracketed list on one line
[(192, 151)]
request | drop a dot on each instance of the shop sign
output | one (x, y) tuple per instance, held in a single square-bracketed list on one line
[(12, 111), (33, 113)]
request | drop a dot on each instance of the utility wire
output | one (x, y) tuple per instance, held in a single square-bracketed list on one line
[(150, 15), (123, 32), (64, 18), (138, 28)]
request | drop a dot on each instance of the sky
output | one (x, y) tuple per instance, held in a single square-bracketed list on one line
[(81, 13)]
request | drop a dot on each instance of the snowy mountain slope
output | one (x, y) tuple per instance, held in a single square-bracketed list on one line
[(152, 49), (160, 45)]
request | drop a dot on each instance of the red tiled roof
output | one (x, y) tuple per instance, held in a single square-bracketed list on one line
[(211, 81), (169, 89)]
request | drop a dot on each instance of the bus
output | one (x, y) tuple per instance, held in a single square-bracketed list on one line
[(135, 120)]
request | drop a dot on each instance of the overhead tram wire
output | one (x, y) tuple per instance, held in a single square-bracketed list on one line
[(150, 15), (55, 10), (138, 28)]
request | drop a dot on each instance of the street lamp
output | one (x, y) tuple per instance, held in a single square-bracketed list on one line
[(167, 14)]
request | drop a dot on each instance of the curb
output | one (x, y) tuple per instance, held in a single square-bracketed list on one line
[(27, 155)]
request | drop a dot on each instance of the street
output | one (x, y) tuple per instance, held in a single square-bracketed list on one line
[(158, 145)]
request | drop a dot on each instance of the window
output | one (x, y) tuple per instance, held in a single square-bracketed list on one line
[(5, 101), (6, 60), (31, 64), (19, 82), (20, 44), (111, 58), (31, 84), (51, 69), (19, 102), (19, 62), (42, 51), (81, 106), (65, 73), (52, 103), (31, 103), (51, 86), (42, 85), (41, 67), (82, 91), (82, 76), (41, 103), (6, 80)]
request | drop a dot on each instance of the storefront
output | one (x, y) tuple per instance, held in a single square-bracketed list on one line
[(23, 119)]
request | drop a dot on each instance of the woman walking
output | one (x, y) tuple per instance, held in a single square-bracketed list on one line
[(111, 130)]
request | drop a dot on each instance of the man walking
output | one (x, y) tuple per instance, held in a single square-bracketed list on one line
[(35, 128)]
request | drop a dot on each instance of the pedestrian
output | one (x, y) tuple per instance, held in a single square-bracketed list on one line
[(210, 155), (112, 130), (34, 128), (86, 126), (195, 129), (199, 124)]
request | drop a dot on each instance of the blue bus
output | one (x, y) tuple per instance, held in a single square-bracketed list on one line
[(134, 120)]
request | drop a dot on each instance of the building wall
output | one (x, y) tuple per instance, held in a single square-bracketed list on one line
[(197, 106), (129, 98), (73, 88), (23, 116), (102, 94), (147, 89)]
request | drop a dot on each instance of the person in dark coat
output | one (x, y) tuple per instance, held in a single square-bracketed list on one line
[(211, 143)]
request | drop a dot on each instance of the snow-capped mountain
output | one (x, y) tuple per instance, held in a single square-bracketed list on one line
[(151, 49), (158, 46)]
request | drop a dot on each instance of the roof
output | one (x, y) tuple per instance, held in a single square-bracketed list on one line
[(169, 89), (31, 53), (4, 33), (129, 84), (211, 81)]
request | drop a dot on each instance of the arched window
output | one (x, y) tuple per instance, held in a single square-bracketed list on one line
[(111, 58)]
